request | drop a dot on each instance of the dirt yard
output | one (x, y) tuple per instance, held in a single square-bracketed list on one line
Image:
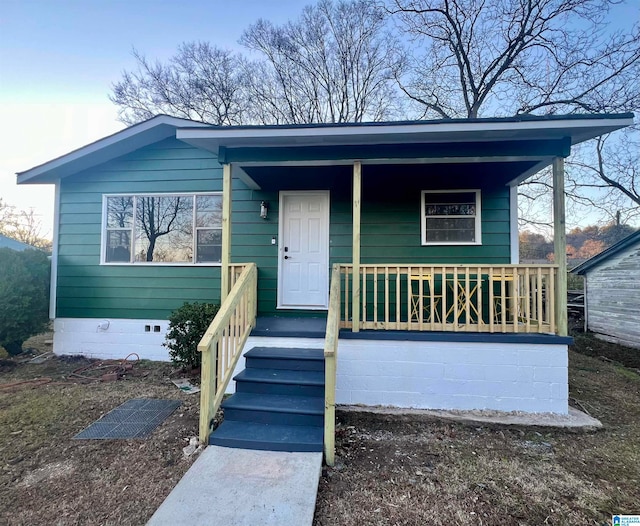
[(412, 471), (391, 469), (49, 479)]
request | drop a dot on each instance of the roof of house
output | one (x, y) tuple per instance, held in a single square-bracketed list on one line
[(562, 130), (13, 244), (110, 147), (613, 250)]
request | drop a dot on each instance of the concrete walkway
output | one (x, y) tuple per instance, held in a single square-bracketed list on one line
[(241, 487), (574, 419)]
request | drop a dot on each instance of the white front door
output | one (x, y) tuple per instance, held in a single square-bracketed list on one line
[(303, 269)]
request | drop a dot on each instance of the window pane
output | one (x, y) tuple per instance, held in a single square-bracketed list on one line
[(451, 229), (209, 245), (449, 198), (119, 212), (208, 210), (164, 229), (118, 246), (451, 210)]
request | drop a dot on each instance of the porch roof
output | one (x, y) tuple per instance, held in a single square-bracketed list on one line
[(531, 141), (578, 128)]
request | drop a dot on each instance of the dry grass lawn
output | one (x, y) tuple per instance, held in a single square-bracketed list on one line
[(409, 471), (391, 469)]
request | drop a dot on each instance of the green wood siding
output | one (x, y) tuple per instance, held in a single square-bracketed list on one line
[(390, 227), (86, 289)]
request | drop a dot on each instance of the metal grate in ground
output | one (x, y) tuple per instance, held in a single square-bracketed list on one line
[(134, 419)]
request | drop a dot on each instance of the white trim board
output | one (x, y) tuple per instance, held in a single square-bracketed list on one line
[(435, 131), (53, 290), (514, 239), (132, 261), (477, 218)]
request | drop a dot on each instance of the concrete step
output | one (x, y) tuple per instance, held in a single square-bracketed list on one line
[(275, 409), (295, 359), (267, 437), (280, 381)]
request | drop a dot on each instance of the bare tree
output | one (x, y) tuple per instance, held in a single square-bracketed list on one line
[(160, 216), (200, 82), (335, 63), (601, 178), (506, 57), (614, 173), (22, 225)]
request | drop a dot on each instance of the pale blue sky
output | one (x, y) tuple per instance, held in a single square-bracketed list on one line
[(58, 59)]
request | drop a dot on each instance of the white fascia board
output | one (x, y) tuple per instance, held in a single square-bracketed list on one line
[(103, 150), (514, 239), (578, 130)]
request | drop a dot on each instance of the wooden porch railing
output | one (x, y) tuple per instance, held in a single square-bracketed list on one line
[(472, 298), (235, 269), (222, 344), (330, 351)]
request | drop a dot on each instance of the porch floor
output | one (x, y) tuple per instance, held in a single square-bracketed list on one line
[(291, 327)]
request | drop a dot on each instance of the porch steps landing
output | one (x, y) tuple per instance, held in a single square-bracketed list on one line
[(278, 404)]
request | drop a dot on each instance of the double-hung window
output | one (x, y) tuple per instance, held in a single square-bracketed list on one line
[(162, 228), (451, 217)]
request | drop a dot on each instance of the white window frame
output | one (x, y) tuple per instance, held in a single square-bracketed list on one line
[(477, 217), (132, 262)]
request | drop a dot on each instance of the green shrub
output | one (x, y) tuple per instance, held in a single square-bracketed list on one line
[(24, 296), (187, 325)]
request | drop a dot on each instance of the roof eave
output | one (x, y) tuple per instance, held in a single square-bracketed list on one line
[(102, 150), (598, 259), (579, 130)]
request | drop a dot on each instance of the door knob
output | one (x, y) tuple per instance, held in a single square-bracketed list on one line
[(287, 257)]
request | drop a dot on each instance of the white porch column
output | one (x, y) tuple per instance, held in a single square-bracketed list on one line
[(357, 193), (560, 245), (226, 231)]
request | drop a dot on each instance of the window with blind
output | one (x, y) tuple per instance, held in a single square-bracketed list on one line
[(451, 217)]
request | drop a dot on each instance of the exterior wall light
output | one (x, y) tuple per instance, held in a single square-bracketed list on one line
[(264, 209)]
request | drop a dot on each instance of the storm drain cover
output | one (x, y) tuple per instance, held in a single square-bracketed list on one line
[(133, 419)]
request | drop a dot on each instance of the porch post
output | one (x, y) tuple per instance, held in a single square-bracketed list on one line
[(226, 231), (357, 192), (560, 245)]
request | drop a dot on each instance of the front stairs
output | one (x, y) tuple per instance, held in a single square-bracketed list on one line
[(278, 404)]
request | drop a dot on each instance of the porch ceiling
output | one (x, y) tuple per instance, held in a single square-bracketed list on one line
[(301, 177)]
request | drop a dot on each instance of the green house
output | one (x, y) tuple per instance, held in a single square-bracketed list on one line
[(411, 225)]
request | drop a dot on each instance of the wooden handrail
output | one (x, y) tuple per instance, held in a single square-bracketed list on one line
[(330, 351), (457, 298), (222, 344)]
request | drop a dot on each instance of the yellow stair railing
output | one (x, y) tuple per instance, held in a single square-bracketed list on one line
[(330, 351), (222, 344)]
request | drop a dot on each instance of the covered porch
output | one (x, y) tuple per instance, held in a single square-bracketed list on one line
[(404, 203), (503, 324)]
